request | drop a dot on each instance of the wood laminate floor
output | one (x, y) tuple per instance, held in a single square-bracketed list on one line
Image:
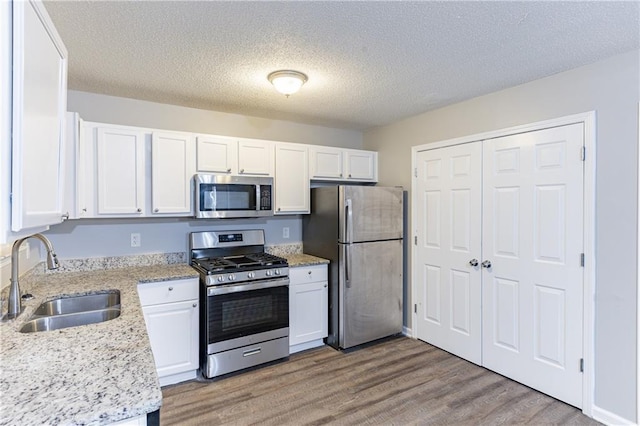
[(399, 381)]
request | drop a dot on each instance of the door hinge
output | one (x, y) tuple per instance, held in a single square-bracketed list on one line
[(415, 308), (415, 240), (582, 259), (583, 153), (582, 365), (415, 172)]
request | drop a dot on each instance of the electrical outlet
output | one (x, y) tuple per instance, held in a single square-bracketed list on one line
[(285, 232), (136, 240)]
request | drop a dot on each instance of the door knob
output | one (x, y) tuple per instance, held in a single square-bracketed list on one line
[(486, 264), (473, 262)]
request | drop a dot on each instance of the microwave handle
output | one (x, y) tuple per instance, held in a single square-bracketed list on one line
[(258, 200)]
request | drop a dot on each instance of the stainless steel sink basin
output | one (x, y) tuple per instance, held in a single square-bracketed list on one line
[(84, 303), (73, 311), (69, 320)]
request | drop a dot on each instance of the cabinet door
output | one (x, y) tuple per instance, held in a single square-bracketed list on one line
[(362, 165), (38, 118), (172, 168), (120, 177), (173, 332), (308, 312), (292, 179), (255, 157), (217, 154), (326, 162)]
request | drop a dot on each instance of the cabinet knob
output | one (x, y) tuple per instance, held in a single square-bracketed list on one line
[(170, 288), (473, 262), (486, 264), (139, 210), (84, 210), (195, 305), (156, 210), (241, 170), (349, 174), (309, 272), (325, 286), (229, 170), (278, 208), (65, 216), (340, 174)]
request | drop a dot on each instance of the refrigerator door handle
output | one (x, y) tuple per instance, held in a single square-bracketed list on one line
[(347, 265), (348, 227)]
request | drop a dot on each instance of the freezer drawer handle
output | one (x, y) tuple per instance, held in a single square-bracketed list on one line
[(252, 352)]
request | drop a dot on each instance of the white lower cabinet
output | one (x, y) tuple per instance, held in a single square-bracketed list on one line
[(308, 307), (171, 314)]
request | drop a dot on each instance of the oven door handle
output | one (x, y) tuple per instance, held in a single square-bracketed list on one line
[(234, 288)]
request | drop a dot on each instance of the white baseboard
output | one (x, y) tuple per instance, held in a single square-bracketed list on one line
[(609, 418), (178, 377), (407, 331)]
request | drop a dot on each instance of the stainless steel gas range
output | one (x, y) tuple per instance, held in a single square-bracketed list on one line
[(244, 295)]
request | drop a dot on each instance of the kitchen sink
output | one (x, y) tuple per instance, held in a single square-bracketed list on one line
[(74, 304), (69, 320), (74, 311)]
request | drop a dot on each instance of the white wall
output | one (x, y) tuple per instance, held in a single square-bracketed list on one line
[(611, 88), (133, 112)]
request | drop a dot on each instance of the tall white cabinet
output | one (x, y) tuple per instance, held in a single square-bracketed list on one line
[(34, 70), (291, 178)]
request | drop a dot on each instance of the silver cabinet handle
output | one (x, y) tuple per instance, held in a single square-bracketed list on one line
[(473, 262), (347, 266), (486, 264)]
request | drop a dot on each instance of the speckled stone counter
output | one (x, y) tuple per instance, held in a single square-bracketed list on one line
[(300, 259), (90, 375)]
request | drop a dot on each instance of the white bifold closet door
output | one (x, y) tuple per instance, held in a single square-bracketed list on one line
[(515, 204), (532, 235)]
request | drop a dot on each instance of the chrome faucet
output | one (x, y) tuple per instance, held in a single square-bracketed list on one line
[(15, 301)]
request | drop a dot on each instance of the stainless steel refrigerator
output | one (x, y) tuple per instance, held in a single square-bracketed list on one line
[(359, 229)]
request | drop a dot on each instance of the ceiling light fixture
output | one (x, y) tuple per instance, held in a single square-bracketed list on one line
[(287, 82)]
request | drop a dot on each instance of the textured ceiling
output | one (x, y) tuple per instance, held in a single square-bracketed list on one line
[(369, 63)]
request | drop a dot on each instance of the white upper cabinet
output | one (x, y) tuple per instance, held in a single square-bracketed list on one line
[(328, 163), (292, 178), (222, 154), (172, 168), (255, 157), (38, 70), (120, 163), (217, 154)]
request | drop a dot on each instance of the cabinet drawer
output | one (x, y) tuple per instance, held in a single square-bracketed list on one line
[(308, 274), (168, 291)]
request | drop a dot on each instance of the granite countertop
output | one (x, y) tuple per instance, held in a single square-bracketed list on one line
[(90, 375), (300, 259)]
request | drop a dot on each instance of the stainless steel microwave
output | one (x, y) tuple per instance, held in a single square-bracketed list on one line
[(224, 196)]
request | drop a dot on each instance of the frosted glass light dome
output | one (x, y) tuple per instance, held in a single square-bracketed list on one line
[(287, 82)]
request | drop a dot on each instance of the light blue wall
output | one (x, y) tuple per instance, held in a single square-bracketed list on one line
[(84, 238)]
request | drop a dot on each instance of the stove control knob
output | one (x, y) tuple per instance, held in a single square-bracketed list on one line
[(231, 277), (220, 278), (251, 275), (268, 273), (277, 272)]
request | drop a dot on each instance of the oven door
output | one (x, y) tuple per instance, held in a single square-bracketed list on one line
[(244, 314)]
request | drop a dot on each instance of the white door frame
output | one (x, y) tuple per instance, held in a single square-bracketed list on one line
[(588, 119)]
